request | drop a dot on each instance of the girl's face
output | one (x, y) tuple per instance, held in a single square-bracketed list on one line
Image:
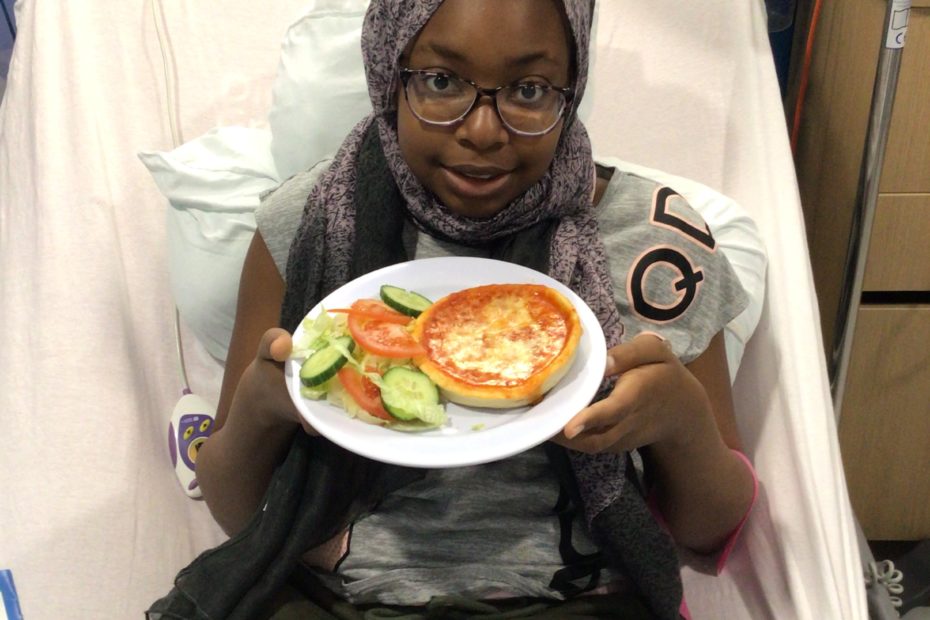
[(476, 167)]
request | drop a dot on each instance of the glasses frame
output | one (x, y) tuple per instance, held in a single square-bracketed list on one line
[(566, 92)]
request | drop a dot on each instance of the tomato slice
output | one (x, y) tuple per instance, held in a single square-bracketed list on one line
[(375, 310), (384, 336), (379, 309), (363, 391)]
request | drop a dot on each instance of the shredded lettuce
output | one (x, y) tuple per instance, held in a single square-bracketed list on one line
[(324, 330), (318, 332), (338, 396), (346, 354)]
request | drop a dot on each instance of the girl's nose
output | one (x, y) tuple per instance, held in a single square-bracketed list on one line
[(482, 129)]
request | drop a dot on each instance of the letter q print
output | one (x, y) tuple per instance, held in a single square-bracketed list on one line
[(663, 284)]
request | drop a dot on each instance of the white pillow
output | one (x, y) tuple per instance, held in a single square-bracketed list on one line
[(320, 91), (212, 184)]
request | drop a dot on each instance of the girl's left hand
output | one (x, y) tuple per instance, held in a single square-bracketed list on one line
[(655, 399)]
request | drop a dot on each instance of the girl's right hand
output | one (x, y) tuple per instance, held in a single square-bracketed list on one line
[(265, 379)]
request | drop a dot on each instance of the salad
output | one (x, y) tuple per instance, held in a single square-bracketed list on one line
[(361, 359)]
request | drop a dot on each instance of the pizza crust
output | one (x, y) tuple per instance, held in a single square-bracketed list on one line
[(500, 345)]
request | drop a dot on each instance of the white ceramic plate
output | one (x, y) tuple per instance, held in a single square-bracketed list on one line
[(471, 435)]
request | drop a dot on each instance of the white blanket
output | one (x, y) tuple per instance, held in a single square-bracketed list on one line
[(93, 523)]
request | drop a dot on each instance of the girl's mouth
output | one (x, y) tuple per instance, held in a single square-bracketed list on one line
[(475, 182)]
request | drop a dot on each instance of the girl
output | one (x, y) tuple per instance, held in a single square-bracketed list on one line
[(473, 148)]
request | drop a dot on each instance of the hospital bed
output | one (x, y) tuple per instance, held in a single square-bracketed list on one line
[(93, 522)]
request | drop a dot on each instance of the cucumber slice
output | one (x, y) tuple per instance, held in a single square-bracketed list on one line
[(317, 392), (407, 391), (323, 365), (407, 302)]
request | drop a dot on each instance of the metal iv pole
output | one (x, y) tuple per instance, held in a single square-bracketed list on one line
[(883, 94)]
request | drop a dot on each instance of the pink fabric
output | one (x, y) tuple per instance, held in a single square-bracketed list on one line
[(732, 537), (327, 555)]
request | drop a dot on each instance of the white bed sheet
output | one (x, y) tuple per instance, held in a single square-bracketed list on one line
[(92, 521)]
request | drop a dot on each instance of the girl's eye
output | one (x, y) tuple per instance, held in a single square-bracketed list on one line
[(529, 92), (438, 82)]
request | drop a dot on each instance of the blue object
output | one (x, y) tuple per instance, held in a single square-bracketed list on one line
[(781, 43), (10, 19), (8, 596), (780, 14), (7, 37)]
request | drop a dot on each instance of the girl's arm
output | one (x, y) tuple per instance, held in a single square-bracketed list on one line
[(255, 418), (684, 417)]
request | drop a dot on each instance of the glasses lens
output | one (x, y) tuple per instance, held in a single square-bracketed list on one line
[(439, 98), (530, 107)]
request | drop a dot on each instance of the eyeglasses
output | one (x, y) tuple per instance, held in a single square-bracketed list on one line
[(531, 107)]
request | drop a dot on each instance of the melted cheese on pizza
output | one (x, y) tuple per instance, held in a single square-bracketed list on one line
[(497, 341)]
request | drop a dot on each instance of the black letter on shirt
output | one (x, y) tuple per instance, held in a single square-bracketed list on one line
[(690, 278)]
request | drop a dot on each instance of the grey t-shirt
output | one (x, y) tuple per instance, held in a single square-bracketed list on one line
[(490, 530)]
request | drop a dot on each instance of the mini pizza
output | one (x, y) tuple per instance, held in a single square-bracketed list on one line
[(498, 346)]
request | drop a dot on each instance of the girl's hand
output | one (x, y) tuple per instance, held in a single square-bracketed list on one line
[(655, 399), (702, 488), (264, 379)]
